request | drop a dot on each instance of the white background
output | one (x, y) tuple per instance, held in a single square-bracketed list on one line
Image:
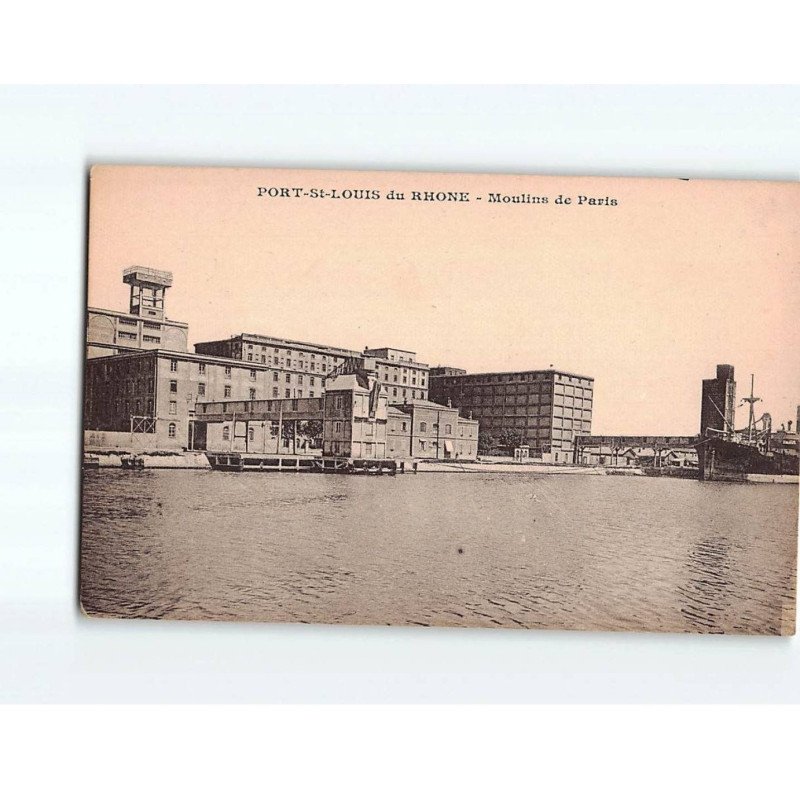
[(48, 138)]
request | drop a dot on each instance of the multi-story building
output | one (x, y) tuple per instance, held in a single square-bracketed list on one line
[(306, 358), (359, 420), (355, 414), (141, 379), (156, 391), (398, 370), (422, 429), (545, 409), (144, 326), (404, 377)]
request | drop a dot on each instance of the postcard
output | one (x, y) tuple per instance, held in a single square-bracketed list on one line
[(439, 399)]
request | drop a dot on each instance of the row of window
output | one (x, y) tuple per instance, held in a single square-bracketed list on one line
[(534, 394), (312, 366), (510, 377), (201, 369), (299, 352)]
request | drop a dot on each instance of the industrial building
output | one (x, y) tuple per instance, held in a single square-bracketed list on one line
[(143, 387), (404, 377), (155, 392), (303, 358), (398, 370), (628, 451), (144, 326), (423, 429), (545, 409), (353, 420)]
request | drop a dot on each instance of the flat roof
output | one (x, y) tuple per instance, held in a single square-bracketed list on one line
[(264, 338), (548, 371), (148, 275), (196, 357)]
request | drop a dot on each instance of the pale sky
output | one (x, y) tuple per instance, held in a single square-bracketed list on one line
[(647, 296)]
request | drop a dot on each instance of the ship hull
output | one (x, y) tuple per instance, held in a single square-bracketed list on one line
[(725, 460)]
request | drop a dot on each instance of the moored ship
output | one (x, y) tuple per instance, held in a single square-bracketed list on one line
[(753, 454)]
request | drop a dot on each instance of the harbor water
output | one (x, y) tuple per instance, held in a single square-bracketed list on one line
[(512, 550)]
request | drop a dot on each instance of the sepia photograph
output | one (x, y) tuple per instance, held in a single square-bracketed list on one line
[(441, 399)]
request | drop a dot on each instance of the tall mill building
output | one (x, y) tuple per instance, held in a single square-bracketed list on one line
[(141, 378), (404, 377), (546, 409)]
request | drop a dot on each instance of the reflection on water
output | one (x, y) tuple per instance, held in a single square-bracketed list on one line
[(708, 590), (580, 552)]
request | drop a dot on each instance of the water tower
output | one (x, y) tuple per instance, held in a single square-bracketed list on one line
[(148, 287)]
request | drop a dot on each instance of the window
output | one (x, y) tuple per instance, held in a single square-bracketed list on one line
[(227, 391), (173, 407), (369, 429), (448, 429), (311, 393), (201, 389), (288, 393), (152, 339), (274, 376), (299, 393), (423, 427), (172, 430), (173, 365), (252, 393), (405, 426), (201, 369), (368, 449), (252, 374), (394, 392), (422, 444), (251, 434), (436, 427), (337, 426), (300, 380), (288, 378), (173, 386), (311, 380), (227, 372), (249, 356), (263, 359), (226, 433), (274, 391)]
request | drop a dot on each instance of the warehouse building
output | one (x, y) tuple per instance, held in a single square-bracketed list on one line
[(398, 370), (542, 409), (423, 429), (155, 392)]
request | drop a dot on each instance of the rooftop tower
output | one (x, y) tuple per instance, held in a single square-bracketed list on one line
[(148, 287)]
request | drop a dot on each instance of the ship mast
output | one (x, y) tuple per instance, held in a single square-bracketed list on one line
[(751, 421)]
